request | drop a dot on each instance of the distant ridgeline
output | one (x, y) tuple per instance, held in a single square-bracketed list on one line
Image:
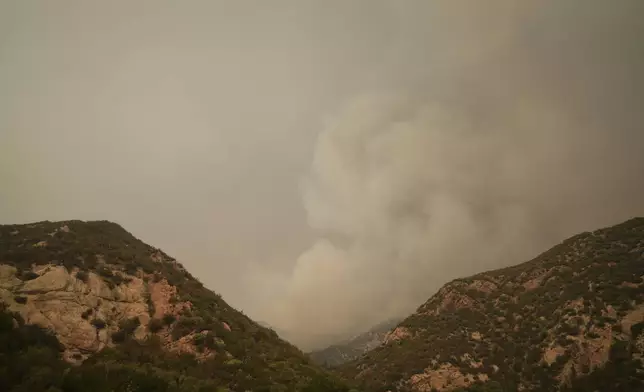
[(338, 354)]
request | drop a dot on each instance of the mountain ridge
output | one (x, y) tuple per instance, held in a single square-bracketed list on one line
[(129, 316), (569, 319)]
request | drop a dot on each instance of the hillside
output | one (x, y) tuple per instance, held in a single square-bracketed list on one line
[(570, 319), (87, 306), (340, 353)]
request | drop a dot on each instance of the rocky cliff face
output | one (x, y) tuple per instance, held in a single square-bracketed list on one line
[(71, 307), (340, 353), (57, 300), (570, 319), (120, 307)]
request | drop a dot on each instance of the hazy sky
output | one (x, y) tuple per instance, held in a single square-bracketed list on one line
[(325, 165)]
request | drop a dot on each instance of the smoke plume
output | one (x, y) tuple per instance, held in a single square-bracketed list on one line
[(517, 126), (465, 135)]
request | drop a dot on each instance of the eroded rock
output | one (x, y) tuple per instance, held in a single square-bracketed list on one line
[(162, 295), (57, 300), (398, 333), (444, 378)]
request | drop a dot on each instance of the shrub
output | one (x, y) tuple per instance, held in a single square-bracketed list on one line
[(82, 276), (127, 328), (155, 325), (105, 272), (636, 329), (185, 325), (130, 324), (119, 336), (117, 279), (619, 351), (99, 323), (28, 275), (131, 269), (169, 319)]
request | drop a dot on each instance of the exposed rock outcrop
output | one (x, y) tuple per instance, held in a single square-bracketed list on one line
[(398, 333), (57, 300), (446, 376)]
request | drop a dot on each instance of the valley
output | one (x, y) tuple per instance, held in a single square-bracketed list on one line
[(91, 296)]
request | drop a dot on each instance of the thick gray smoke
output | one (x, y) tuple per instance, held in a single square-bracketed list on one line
[(466, 135), (520, 125)]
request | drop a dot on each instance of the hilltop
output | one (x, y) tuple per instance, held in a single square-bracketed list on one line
[(87, 306), (571, 319)]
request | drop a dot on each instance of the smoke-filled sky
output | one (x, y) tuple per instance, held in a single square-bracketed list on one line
[(325, 165)]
